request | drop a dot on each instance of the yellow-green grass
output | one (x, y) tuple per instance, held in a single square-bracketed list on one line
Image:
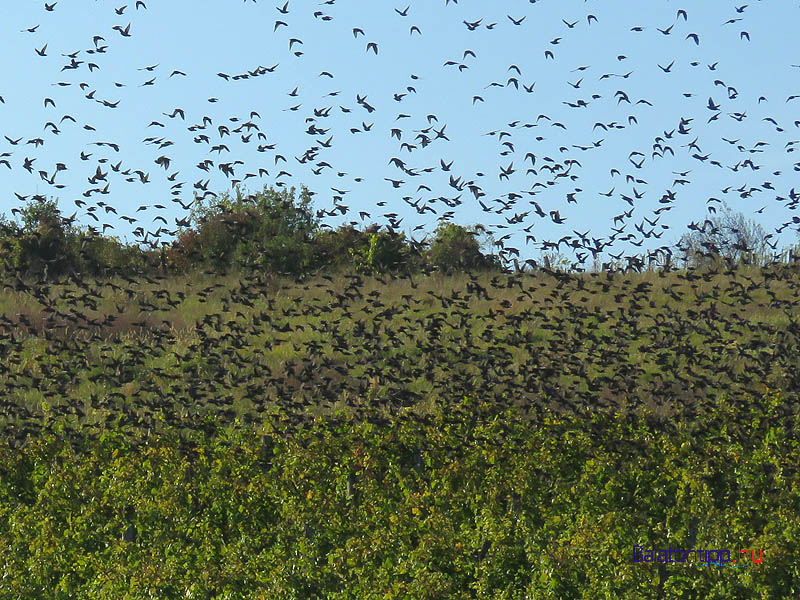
[(563, 325)]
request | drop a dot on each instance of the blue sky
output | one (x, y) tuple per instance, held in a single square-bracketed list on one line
[(749, 80)]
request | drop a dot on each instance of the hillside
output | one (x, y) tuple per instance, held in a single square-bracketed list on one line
[(423, 435)]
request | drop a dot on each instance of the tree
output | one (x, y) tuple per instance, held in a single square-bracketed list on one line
[(455, 248), (385, 251), (270, 230), (40, 213), (727, 236), (48, 245), (43, 245)]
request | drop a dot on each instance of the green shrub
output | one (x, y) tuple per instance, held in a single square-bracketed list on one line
[(11, 251), (220, 236), (385, 251), (270, 230), (40, 211), (45, 252), (332, 246), (97, 255), (40, 247), (455, 248)]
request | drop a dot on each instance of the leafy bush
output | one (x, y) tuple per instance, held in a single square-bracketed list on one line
[(45, 251), (99, 255), (385, 251), (455, 248), (473, 503), (38, 212), (47, 245), (221, 236), (270, 230), (332, 246), (11, 251)]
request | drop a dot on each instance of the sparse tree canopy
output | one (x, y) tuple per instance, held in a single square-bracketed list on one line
[(727, 236)]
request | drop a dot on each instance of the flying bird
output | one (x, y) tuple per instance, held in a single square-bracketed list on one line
[(124, 32)]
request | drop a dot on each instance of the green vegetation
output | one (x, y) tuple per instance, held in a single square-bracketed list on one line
[(277, 232), (456, 249), (444, 436), (467, 504), (270, 232), (46, 245), (389, 426)]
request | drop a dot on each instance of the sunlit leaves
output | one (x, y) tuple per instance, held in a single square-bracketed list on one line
[(461, 506)]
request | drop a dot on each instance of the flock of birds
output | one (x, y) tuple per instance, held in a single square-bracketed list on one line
[(673, 345), (543, 184), (543, 176)]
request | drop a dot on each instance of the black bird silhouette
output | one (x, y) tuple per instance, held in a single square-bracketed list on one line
[(123, 31)]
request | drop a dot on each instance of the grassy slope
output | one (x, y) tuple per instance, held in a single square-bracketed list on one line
[(699, 374)]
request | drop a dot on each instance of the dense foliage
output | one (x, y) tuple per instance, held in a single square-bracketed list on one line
[(468, 503), (271, 231), (457, 249), (277, 232), (47, 245)]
